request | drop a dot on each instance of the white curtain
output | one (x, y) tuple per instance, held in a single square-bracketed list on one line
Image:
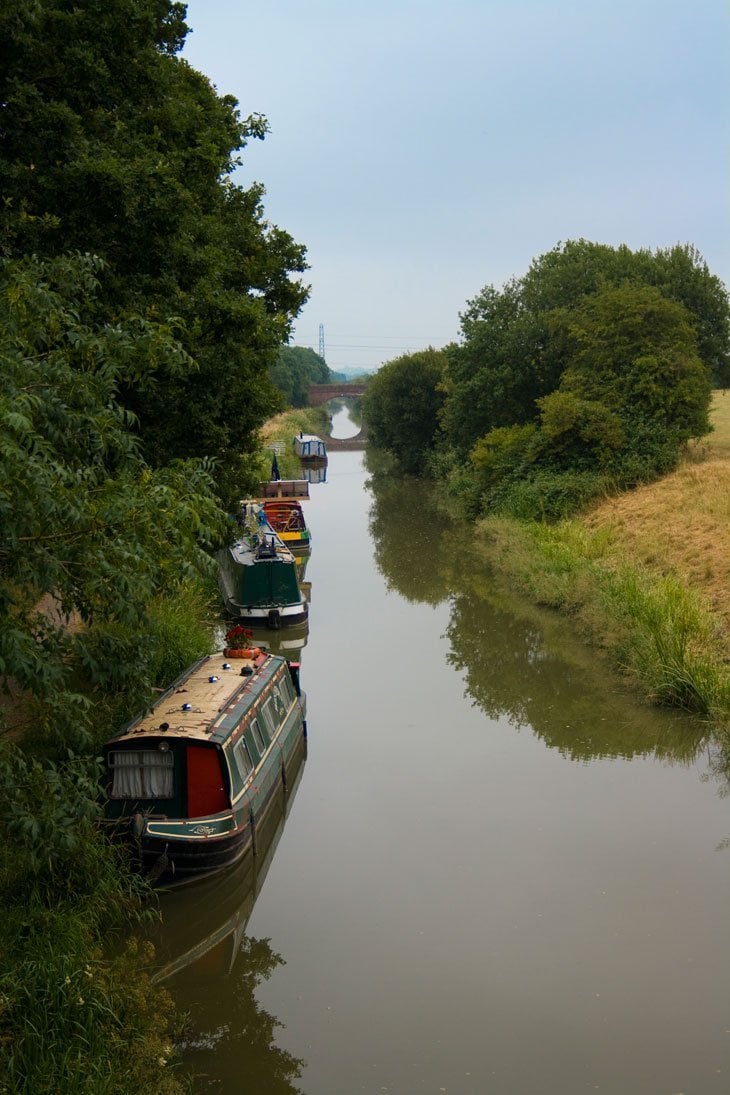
[(142, 773)]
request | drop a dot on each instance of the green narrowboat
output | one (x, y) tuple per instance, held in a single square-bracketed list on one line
[(191, 779), (257, 575)]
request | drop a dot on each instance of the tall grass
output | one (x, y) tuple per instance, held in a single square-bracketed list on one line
[(72, 1020), (656, 628), (180, 627)]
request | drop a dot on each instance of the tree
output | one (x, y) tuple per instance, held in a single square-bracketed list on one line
[(295, 369), (401, 406), (83, 518), (578, 269), (513, 353), (496, 375), (635, 353), (115, 146)]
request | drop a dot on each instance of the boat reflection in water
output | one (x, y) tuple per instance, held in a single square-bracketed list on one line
[(314, 473), (287, 643), (212, 969), (203, 923)]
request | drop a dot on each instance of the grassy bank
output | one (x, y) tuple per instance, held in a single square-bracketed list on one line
[(645, 575)]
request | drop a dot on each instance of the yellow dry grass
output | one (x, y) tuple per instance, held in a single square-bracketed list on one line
[(681, 524)]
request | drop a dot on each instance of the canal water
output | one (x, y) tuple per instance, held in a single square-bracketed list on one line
[(498, 871)]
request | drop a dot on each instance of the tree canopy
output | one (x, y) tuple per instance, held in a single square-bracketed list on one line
[(401, 405), (295, 369), (513, 353), (83, 518), (114, 146)]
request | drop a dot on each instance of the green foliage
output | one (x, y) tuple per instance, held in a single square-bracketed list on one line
[(635, 352), (517, 341), (295, 369), (544, 495), (114, 146), (72, 1020), (85, 524), (577, 432), (48, 816), (572, 271), (496, 374), (401, 406), (132, 387), (631, 393), (180, 630), (502, 453)]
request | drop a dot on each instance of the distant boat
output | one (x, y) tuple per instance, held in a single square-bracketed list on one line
[(258, 577), (191, 780), (310, 448)]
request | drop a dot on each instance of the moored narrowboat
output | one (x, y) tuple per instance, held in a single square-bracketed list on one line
[(191, 779), (286, 517), (258, 576), (310, 448)]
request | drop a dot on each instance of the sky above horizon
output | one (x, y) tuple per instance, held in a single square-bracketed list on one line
[(422, 149)]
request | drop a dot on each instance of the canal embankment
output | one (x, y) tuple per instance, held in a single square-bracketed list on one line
[(644, 574)]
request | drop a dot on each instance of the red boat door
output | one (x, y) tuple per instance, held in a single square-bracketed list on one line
[(206, 788)]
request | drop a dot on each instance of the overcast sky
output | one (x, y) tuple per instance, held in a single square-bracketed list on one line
[(422, 149)]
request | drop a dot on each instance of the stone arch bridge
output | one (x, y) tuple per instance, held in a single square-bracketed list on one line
[(320, 394)]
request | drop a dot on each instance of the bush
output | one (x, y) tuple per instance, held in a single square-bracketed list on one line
[(546, 496)]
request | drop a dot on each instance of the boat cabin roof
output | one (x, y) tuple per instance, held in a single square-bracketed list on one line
[(208, 701)]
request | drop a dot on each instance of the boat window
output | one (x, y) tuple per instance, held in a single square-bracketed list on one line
[(269, 718), (258, 736), (242, 757), (286, 688), (141, 773)]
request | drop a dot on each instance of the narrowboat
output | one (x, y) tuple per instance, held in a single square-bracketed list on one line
[(286, 517), (192, 779), (257, 575), (310, 448)]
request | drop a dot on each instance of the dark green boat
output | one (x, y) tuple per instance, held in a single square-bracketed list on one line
[(258, 576), (191, 780)]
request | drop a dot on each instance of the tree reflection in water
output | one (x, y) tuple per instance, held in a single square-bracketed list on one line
[(241, 1045), (407, 532), (519, 662)]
